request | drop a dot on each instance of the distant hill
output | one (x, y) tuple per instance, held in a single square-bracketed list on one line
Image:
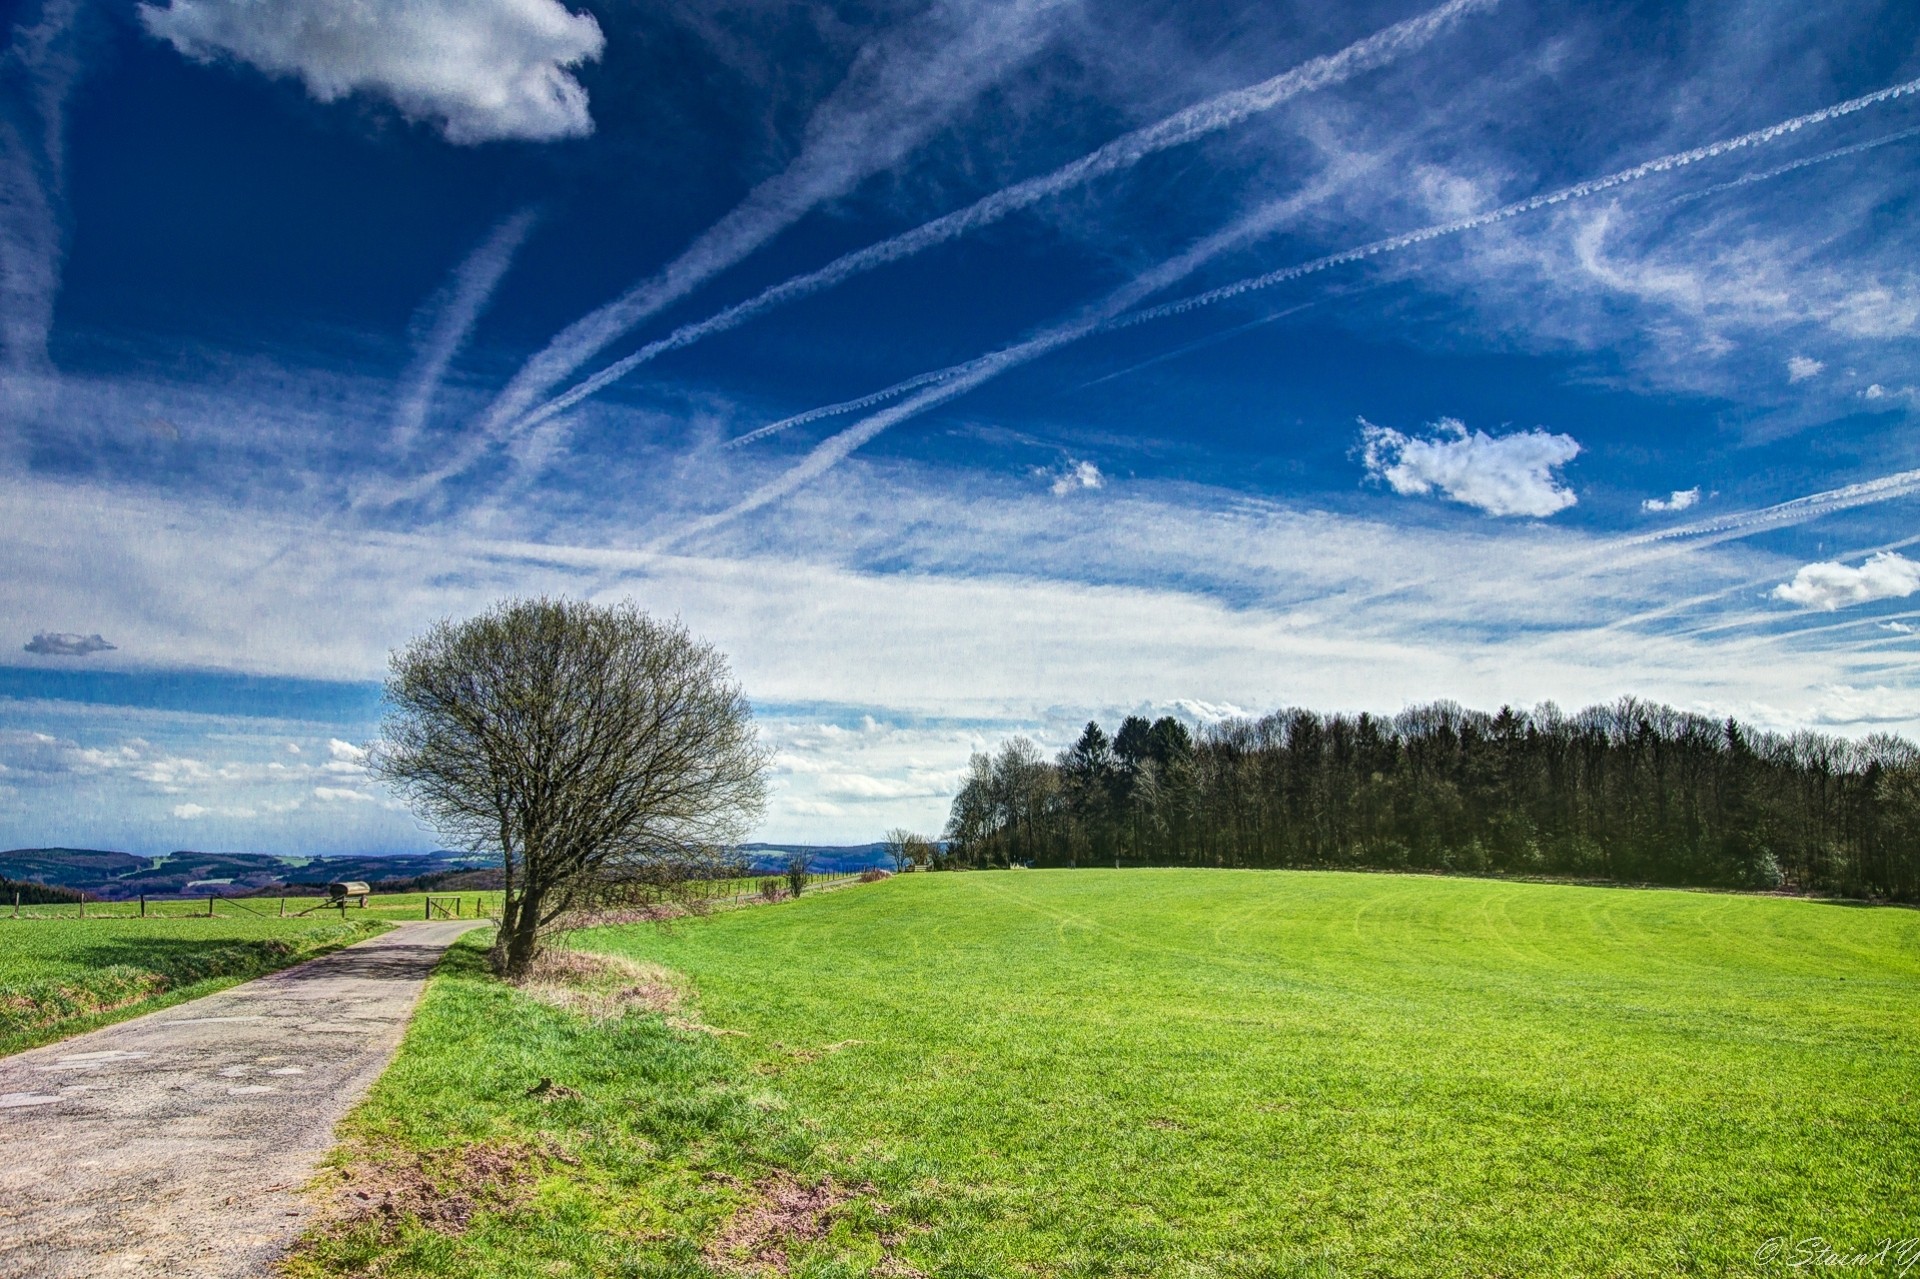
[(111, 876), (824, 857)]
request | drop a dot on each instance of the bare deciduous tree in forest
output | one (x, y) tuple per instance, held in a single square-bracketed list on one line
[(584, 744)]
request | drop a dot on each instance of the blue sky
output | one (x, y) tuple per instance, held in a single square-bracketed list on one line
[(1119, 356)]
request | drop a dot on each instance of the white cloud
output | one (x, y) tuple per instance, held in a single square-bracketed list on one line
[(1680, 500), (346, 752), (1801, 367), (1878, 392), (1831, 585), (342, 795), (1846, 705), (1073, 477), (1501, 475), (187, 812), (481, 70), (1898, 628)]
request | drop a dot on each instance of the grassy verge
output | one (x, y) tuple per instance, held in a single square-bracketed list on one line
[(1172, 1073), (61, 977)]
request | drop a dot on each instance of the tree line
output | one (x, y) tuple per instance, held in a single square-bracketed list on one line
[(1631, 792)]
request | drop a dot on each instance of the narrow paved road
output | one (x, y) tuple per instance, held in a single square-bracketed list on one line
[(175, 1144)]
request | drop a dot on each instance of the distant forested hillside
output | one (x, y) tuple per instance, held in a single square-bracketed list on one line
[(115, 876), (1632, 791)]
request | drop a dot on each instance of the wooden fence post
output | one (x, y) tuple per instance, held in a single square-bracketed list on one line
[(283, 908), (83, 905), (209, 905)]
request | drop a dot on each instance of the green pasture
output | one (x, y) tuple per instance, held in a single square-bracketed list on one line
[(62, 976), (1187, 1073)]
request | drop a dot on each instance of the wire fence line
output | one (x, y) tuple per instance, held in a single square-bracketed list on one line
[(485, 904)]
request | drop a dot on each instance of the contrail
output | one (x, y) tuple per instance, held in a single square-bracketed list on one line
[(1835, 154), (1111, 313), (1578, 191), (888, 104), (960, 378), (1198, 344), (1885, 489), (447, 319), (33, 182), (1184, 126), (834, 410)]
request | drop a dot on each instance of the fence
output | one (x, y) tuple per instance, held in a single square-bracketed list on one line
[(482, 905), (394, 906)]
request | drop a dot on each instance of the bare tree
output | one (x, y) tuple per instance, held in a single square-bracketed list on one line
[(898, 844), (586, 745), (799, 867)]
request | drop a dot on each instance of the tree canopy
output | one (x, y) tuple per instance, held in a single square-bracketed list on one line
[(1630, 791), (583, 744)]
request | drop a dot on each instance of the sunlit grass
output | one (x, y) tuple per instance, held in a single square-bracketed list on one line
[(1231, 1073)]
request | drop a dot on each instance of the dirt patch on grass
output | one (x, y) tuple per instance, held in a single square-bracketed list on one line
[(782, 1212), (441, 1190), (785, 1213), (599, 987)]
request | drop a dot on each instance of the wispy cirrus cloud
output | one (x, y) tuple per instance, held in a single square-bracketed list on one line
[(478, 70), (38, 69), (1116, 310), (1220, 112), (898, 93), (444, 322)]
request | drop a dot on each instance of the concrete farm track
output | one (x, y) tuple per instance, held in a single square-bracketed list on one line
[(176, 1143)]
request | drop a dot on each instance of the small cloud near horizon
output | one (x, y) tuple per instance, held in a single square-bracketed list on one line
[(1802, 367), (1680, 500), (1075, 476), (67, 644)]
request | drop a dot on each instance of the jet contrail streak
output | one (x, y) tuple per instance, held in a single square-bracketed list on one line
[(1578, 191), (886, 106), (447, 320), (848, 406), (1110, 313), (1838, 153), (1885, 489), (960, 378), (1184, 126)]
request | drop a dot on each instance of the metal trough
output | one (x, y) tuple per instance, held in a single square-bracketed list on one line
[(337, 894)]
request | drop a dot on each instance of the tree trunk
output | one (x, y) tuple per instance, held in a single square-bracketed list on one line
[(519, 937)]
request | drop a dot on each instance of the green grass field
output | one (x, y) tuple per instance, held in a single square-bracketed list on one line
[(62, 976), (1158, 1073)]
